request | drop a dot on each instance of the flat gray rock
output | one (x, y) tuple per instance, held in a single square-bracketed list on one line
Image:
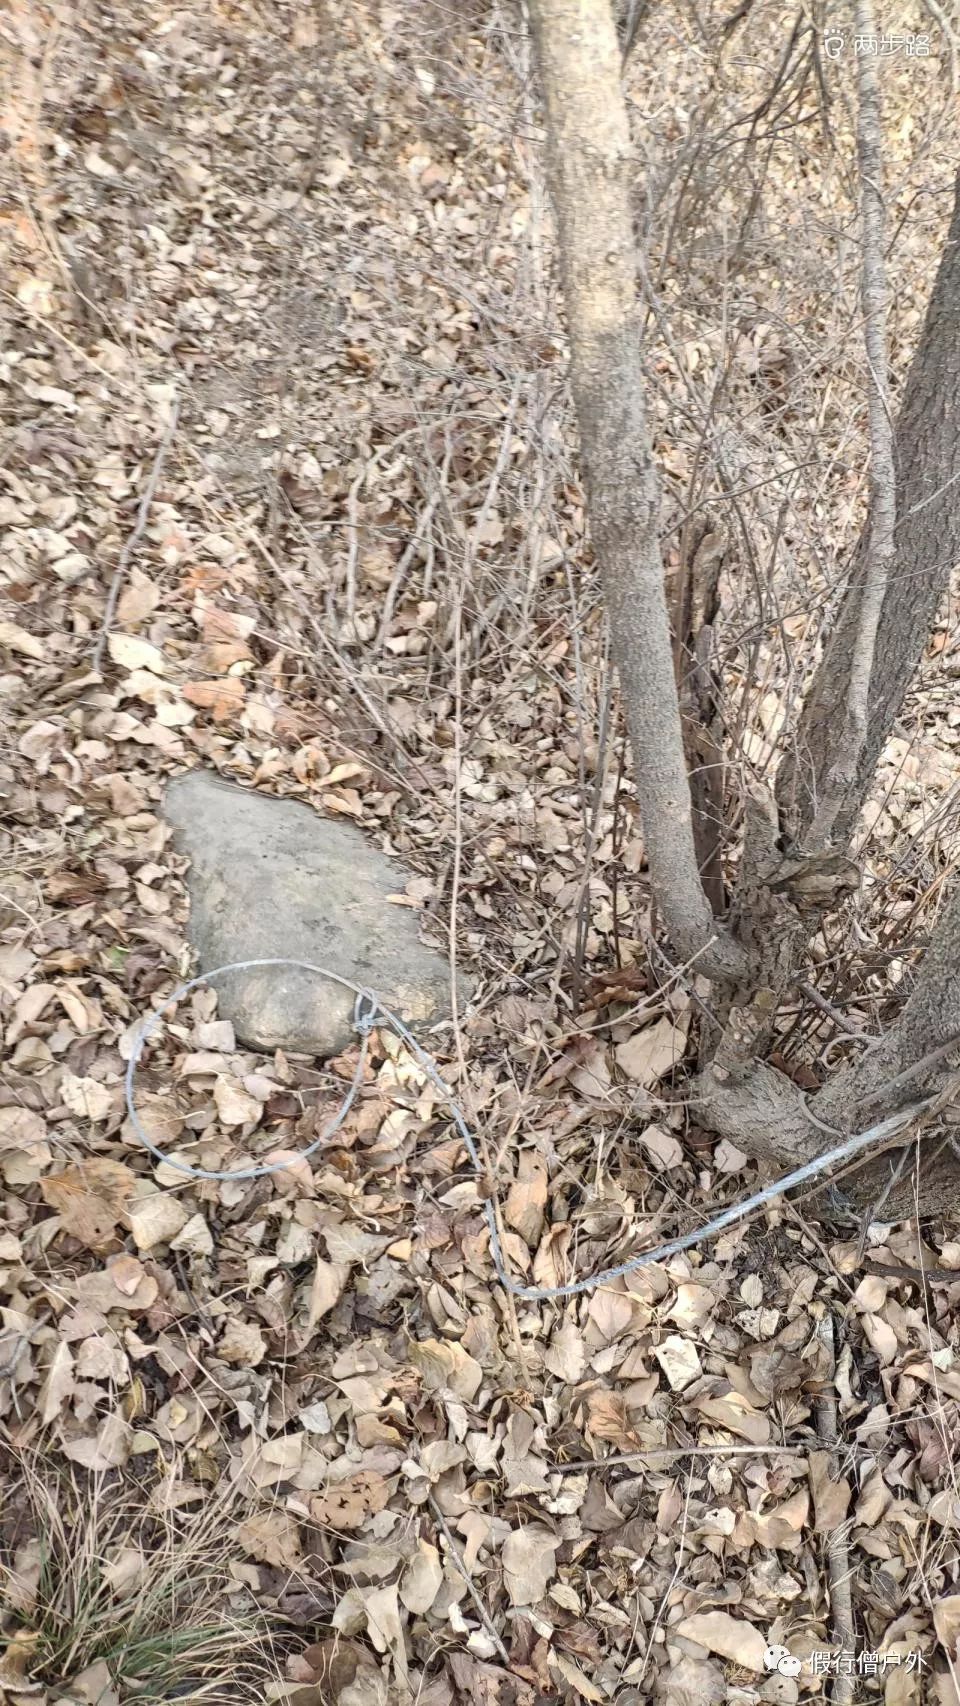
[(271, 879)]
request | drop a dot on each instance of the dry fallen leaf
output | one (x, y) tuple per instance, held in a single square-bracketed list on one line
[(692, 1305), (85, 1097), (529, 1562), (223, 698), (16, 1662), (90, 1199), (127, 1274), (348, 1503), (946, 1622), (780, 1526), (881, 1336), (871, 1293), (24, 1149), (385, 1628), (195, 1238), (329, 1279), (21, 1128), (138, 600), (662, 1147), (731, 1410), (242, 1344), (649, 1054), (874, 1498), (576, 1679), (694, 1682), (235, 1105), (132, 653), (421, 1580), (608, 1420), (526, 1199), (273, 1537), (156, 1219), (611, 1314), (109, 1448), (776, 1369), (731, 1637), (446, 1365), (679, 1360), (122, 1284), (24, 1575), (59, 1383), (566, 1355), (19, 640), (831, 1499)]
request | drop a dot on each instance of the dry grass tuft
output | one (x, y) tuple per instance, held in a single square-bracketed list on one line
[(111, 1601)]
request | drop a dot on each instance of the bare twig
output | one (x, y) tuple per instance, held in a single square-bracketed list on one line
[(416, 540), (634, 16), (465, 1573), (872, 1210), (666, 1596), (918, 1276), (353, 542), (143, 515), (673, 1453), (470, 556), (951, 38), (881, 526), (380, 719), (838, 1556), (840, 1019)]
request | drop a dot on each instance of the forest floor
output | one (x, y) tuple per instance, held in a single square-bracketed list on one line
[(281, 284)]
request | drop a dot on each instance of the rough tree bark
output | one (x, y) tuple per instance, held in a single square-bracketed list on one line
[(896, 582), (590, 164), (926, 546), (879, 542)]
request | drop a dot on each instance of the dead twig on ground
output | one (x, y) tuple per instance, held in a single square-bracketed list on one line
[(457, 1560), (838, 1556), (140, 527), (673, 1453)]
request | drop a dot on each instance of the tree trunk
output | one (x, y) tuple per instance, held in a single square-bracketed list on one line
[(879, 542), (762, 1111), (738, 1094), (590, 169), (927, 546)]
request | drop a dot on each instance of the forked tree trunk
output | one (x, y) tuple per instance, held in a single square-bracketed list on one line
[(767, 1116), (759, 1109), (738, 1094)]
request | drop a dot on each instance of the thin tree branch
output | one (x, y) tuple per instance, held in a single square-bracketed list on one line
[(457, 1559), (928, 545), (881, 526), (674, 1453), (140, 526), (634, 16)]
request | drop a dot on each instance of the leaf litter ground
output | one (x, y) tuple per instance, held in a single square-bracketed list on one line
[(320, 283)]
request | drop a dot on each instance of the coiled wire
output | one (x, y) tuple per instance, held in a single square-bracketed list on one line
[(368, 1013)]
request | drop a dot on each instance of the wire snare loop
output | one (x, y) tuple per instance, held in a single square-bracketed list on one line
[(363, 1020), (368, 1012)]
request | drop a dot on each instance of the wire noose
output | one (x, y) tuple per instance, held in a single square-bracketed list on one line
[(368, 1012)]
